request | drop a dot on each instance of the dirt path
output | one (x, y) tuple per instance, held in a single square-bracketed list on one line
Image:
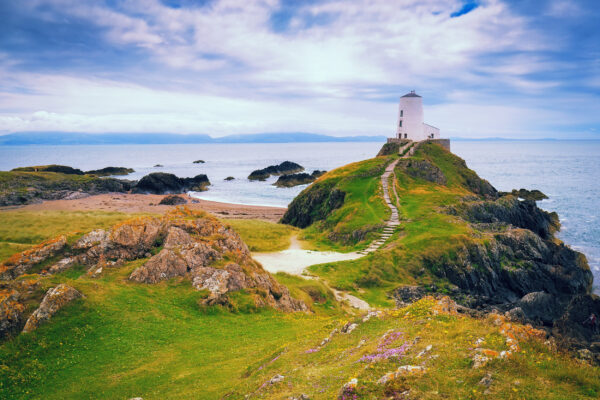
[(392, 223)]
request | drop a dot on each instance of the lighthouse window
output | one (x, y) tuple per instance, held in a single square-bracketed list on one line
[(401, 113), (400, 124)]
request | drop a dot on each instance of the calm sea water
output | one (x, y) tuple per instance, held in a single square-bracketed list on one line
[(567, 171)]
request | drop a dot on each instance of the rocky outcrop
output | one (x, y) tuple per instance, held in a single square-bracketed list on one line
[(11, 313), (286, 167), (62, 169), (525, 194), (25, 187), (422, 169), (509, 210), (195, 246), (55, 299), (173, 200), (164, 183), (291, 180), (511, 265), (313, 204), (108, 171), (21, 263), (391, 148), (575, 325)]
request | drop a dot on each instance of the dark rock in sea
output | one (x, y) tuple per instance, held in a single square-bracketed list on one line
[(158, 166), (165, 183), (229, 178), (199, 162), (62, 169), (314, 204), (290, 180), (107, 171), (525, 194), (286, 167), (173, 200)]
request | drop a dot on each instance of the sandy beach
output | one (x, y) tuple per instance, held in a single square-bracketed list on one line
[(148, 203)]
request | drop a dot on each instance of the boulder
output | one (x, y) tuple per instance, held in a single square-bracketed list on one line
[(541, 306), (164, 183), (405, 295), (229, 178), (21, 263), (55, 299), (291, 180), (286, 167), (173, 200), (199, 162)]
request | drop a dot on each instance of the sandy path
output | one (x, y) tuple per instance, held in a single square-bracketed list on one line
[(295, 260), (148, 203)]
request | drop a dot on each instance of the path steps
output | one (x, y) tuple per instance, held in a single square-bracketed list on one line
[(394, 221)]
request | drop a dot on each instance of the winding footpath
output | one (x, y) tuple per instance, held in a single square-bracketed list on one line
[(392, 223)]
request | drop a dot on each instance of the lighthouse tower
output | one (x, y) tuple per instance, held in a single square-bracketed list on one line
[(410, 120)]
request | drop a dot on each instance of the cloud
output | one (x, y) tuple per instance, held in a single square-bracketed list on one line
[(225, 66)]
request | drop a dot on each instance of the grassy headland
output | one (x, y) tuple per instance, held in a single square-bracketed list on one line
[(159, 341)]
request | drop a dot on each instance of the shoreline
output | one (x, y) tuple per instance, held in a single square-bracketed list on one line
[(148, 203)]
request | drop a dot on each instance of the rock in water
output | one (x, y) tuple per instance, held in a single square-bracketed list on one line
[(107, 171), (164, 183), (291, 180), (173, 200), (199, 162), (55, 299), (286, 167)]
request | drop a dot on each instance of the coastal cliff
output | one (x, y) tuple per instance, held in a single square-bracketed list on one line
[(490, 251)]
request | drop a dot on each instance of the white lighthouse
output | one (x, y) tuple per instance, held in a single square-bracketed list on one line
[(410, 120)]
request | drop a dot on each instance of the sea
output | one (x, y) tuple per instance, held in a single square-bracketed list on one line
[(567, 171)]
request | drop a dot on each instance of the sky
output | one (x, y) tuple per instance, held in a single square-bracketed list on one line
[(485, 68)]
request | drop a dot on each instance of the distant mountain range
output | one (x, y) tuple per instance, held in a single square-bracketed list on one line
[(70, 138)]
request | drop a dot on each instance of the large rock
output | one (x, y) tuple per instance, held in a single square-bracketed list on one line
[(164, 183), (107, 171), (55, 299), (291, 180), (541, 307), (286, 167), (21, 263), (194, 246)]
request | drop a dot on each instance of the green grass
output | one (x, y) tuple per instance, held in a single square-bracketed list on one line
[(19, 230), (263, 236)]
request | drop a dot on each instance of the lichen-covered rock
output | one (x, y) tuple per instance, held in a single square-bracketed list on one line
[(21, 263), (55, 299), (186, 244), (62, 265), (11, 313), (172, 200)]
